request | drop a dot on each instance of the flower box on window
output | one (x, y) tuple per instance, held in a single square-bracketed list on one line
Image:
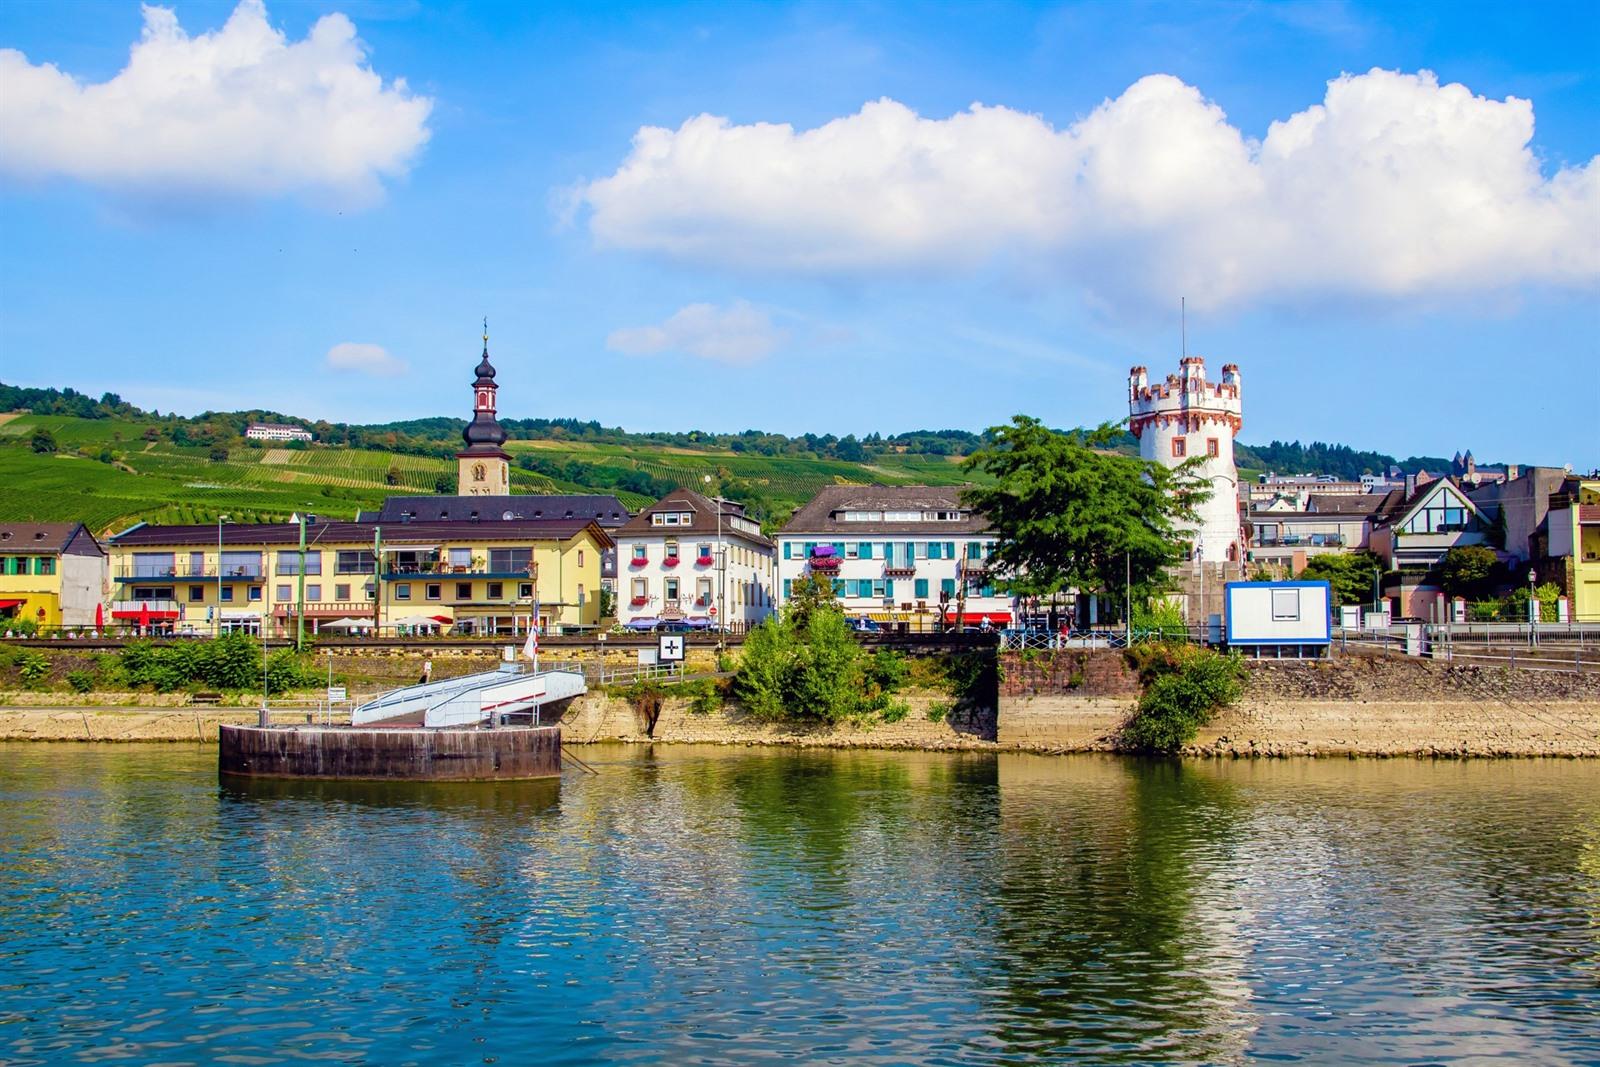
[(705, 561), (639, 601), (638, 561), (670, 561)]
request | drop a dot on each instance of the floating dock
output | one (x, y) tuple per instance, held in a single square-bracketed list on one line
[(412, 753)]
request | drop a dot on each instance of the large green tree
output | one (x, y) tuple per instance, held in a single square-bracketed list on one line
[(1071, 515), (1350, 575), (1469, 571)]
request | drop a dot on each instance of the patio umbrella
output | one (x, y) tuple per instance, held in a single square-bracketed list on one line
[(144, 616), (99, 616)]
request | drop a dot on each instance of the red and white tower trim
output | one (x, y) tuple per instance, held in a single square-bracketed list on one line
[(1187, 416)]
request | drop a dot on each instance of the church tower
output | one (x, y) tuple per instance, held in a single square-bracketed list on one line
[(483, 468), (1187, 417)]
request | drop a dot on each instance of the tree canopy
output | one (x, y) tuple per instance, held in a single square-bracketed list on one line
[(1070, 515), (1349, 575)]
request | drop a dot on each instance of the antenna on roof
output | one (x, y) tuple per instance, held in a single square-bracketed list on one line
[(1183, 326)]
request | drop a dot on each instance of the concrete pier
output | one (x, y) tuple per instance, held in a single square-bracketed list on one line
[(405, 753)]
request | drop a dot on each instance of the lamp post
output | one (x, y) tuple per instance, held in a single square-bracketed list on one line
[(300, 606), (1533, 610), (216, 623)]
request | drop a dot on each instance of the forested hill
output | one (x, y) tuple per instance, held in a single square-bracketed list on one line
[(440, 436)]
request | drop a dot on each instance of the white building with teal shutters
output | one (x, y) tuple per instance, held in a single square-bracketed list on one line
[(909, 557)]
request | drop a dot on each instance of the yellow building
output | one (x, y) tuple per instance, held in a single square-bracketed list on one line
[(1574, 525), (480, 577), (52, 575)]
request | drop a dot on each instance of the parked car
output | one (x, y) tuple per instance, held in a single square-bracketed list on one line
[(862, 625)]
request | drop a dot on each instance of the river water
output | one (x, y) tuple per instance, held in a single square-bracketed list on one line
[(720, 905)]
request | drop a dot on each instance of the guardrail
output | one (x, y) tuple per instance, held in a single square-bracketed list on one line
[(1025, 641), (1566, 659)]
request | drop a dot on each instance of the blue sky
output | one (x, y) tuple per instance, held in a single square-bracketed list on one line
[(793, 217)]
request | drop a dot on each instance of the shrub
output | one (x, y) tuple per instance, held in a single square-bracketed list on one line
[(808, 665), (888, 669), (894, 711), (32, 668), (80, 681), (1177, 704), (939, 710), (703, 697)]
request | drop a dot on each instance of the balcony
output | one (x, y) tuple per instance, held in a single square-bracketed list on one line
[(134, 610), (326, 609), (146, 572), (448, 570), (825, 563), (899, 570)]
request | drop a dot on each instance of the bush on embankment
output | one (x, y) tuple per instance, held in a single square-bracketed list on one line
[(231, 663), (814, 669), (1184, 689)]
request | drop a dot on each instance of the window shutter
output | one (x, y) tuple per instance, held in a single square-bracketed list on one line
[(866, 549)]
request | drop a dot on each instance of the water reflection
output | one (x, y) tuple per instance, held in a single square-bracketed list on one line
[(732, 905)]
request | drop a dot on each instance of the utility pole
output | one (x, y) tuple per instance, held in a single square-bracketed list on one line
[(300, 610), (377, 587), (216, 622)]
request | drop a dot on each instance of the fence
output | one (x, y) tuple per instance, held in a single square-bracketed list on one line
[(1439, 643), (1046, 641)]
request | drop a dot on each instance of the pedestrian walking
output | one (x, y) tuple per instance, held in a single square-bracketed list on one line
[(427, 671)]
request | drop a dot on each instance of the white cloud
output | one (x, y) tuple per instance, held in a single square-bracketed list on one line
[(374, 360), (240, 111), (739, 333), (1393, 186)]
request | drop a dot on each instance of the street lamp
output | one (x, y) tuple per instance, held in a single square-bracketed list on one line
[(1533, 610), (216, 622)]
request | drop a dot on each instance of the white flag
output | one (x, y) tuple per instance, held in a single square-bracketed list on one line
[(530, 648)]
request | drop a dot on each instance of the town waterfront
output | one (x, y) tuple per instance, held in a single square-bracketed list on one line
[(728, 905)]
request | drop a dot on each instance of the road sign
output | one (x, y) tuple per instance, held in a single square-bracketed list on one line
[(337, 694), (713, 612), (670, 649)]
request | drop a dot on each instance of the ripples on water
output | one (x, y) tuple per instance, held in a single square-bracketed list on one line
[(728, 906)]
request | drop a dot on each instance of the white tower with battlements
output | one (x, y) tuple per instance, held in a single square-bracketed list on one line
[(1187, 416)]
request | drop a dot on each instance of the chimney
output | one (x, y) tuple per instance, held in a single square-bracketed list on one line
[(1513, 472), (1411, 484)]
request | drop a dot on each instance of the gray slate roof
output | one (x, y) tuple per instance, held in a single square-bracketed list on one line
[(607, 512), (818, 515)]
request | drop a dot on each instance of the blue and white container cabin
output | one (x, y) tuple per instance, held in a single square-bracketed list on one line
[(1279, 620)]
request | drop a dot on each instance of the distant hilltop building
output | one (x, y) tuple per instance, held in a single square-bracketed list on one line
[(483, 468), (276, 431), (1185, 417)]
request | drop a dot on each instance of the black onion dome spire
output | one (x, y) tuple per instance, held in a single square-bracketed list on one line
[(484, 431)]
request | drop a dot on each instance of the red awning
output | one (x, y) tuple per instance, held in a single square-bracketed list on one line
[(11, 604), (975, 618), (135, 616)]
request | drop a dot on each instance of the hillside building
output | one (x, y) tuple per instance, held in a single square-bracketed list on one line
[(910, 557), (694, 559), (276, 431), (52, 574)]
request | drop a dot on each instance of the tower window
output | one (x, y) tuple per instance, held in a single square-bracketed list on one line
[(1179, 448), (1212, 447)]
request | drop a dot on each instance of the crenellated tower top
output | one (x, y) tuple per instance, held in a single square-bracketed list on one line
[(1185, 399)]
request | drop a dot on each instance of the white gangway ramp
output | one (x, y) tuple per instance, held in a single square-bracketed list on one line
[(471, 698)]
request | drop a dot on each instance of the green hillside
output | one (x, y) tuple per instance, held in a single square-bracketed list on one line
[(107, 474)]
